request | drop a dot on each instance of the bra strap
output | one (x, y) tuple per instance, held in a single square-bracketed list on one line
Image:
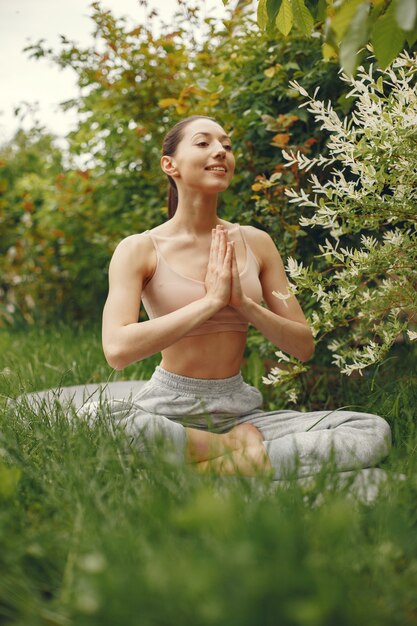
[(245, 243), (248, 249), (155, 245)]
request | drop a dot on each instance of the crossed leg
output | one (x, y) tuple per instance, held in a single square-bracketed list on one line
[(352, 439), (239, 451)]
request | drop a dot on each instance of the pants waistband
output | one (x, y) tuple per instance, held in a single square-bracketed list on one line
[(197, 385)]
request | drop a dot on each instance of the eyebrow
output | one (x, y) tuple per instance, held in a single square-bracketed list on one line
[(209, 135)]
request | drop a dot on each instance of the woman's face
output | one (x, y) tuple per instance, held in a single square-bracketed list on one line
[(203, 159)]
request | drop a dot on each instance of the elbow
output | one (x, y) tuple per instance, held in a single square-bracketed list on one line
[(307, 349), (115, 358), (306, 355)]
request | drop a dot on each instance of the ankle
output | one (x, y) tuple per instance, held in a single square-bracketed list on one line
[(202, 445)]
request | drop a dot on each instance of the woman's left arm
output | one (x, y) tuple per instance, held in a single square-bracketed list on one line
[(283, 322)]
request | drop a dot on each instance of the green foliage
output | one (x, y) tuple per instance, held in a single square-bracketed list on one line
[(133, 87), (55, 256), (348, 26), (56, 233), (366, 289), (388, 38)]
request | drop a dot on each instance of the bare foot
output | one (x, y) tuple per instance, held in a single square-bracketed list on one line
[(247, 454), (244, 436), (249, 461), (203, 445)]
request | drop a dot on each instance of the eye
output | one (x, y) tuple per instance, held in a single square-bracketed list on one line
[(202, 143), (228, 147)]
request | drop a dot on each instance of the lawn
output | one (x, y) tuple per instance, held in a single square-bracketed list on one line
[(91, 533)]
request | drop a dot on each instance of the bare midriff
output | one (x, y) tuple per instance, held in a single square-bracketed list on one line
[(216, 355)]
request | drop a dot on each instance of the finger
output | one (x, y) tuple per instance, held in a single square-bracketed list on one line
[(234, 262), (215, 246), (211, 254), (222, 246), (227, 262)]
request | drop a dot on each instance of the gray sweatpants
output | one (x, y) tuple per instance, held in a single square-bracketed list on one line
[(296, 442)]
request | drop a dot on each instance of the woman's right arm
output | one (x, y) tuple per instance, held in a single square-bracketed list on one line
[(125, 340)]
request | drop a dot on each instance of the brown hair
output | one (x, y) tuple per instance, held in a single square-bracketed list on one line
[(169, 146)]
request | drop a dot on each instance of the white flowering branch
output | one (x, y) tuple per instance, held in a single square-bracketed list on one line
[(365, 284)]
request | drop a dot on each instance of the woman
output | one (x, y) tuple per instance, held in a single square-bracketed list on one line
[(202, 281)]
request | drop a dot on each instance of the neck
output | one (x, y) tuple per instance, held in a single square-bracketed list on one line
[(196, 213)]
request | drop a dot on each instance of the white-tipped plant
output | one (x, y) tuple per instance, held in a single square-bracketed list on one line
[(365, 284)]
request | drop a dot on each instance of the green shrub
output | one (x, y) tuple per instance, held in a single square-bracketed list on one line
[(365, 283), (133, 87)]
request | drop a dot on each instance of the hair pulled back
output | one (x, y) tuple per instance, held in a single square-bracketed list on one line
[(169, 146)]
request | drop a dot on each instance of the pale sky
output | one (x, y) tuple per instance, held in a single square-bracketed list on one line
[(22, 79)]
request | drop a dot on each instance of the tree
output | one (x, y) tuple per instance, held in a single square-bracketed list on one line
[(347, 26), (29, 165), (133, 87)]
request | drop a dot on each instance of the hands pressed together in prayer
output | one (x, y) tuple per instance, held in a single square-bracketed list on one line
[(222, 280)]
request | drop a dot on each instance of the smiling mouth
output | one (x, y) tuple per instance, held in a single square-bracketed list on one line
[(218, 170)]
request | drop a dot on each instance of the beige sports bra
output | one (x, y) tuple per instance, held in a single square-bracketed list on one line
[(169, 290)]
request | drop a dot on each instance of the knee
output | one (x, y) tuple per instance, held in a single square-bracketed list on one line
[(382, 432)]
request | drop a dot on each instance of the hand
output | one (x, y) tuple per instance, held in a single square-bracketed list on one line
[(218, 281), (237, 297)]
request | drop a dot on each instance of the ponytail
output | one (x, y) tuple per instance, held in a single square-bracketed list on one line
[(172, 197)]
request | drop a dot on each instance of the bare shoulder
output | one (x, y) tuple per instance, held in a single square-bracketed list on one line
[(255, 235), (261, 243), (135, 253), (134, 243)]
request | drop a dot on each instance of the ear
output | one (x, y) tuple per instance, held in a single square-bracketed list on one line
[(168, 166)]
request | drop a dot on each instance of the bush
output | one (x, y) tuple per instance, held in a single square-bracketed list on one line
[(365, 284), (133, 87)]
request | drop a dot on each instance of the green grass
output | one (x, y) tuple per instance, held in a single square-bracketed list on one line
[(93, 534), (35, 359)]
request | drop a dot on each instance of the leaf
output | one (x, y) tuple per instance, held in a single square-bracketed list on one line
[(167, 102), (272, 8), (380, 85), (257, 187), (405, 13), (328, 52), (411, 38), (321, 12), (262, 15), (280, 140), (387, 38), (355, 38), (341, 21), (302, 16), (181, 108), (285, 18), (270, 72), (269, 120)]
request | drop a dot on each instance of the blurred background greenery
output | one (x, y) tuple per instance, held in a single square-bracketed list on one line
[(60, 223)]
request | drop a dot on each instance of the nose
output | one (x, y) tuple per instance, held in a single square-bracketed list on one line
[(219, 149)]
